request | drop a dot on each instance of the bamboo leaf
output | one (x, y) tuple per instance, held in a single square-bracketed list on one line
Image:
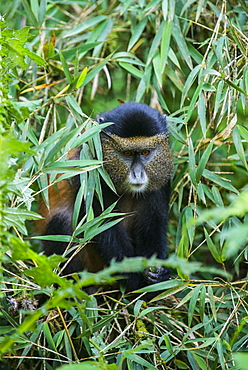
[(192, 166), (239, 146), (131, 69), (211, 246), (96, 70), (189, 82), (180, 40), (155, 44), (212, 302), (203, 161), (192, 303), (139, 28), (165, 44), (65, 68), (219, 181)]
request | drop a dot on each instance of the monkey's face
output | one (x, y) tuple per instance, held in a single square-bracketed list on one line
[(137, 164)]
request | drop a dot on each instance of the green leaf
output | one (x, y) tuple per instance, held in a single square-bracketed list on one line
[(219, 181), (157, 68), (243, 132), (156, 43), (48, 337), (65, 68), (42, 11), (239, 146), (199, 9), (86, 365), (73, 52), (192, 166), (202, 303), (29, 12), (192, 303), (203, 161), (212, 302), (89, 23), (137, 31), (180, 40), (213, 249), (81, 78), (189, 82), (165, 44), (180, 364), (96, 70), (191, 106), (202, 113), (241, 360), (131, 69)]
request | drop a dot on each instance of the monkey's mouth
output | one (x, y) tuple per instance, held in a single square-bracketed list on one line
[(137, 188)]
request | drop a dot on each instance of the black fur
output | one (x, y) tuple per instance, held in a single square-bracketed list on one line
[(134, 119)]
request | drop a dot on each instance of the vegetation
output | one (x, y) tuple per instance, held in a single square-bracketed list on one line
[(62, 63)]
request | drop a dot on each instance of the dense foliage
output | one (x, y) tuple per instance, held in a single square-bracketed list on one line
[(62, 63)]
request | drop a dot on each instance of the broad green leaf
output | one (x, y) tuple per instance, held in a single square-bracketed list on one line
[(193, 100), (213, 249), (201, 362), (65, 68), (157, 68), (42, 11), (219, 97), (106, 29), (201, 106), (192, 303), (165, 44), (81, 78), (168, 343), (189, 82), (190, 228), (202, 302), (239, 146), (71, 100), (156, 43), (131, 69), (217, 196), (208, 87), (199, 9), (192, 166), (243, 132), (31, 17), (73, 52), (89, 23), (203, 161), (137, 31), (219, 181), (212, 302), (174, 77), (48, 337), (180, 40), (241, 359), (96, 70)]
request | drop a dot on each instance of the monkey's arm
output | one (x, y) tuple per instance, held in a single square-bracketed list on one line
[(114, 243)]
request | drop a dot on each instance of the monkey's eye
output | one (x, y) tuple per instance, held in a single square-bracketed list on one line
[(127, 153), (145, 152)]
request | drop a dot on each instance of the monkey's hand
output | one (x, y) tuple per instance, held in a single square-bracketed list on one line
[(155, 275)]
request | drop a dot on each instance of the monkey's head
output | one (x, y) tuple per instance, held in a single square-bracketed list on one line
[(135, 148)]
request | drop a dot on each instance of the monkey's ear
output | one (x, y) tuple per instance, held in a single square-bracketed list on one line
[(100, 119)]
